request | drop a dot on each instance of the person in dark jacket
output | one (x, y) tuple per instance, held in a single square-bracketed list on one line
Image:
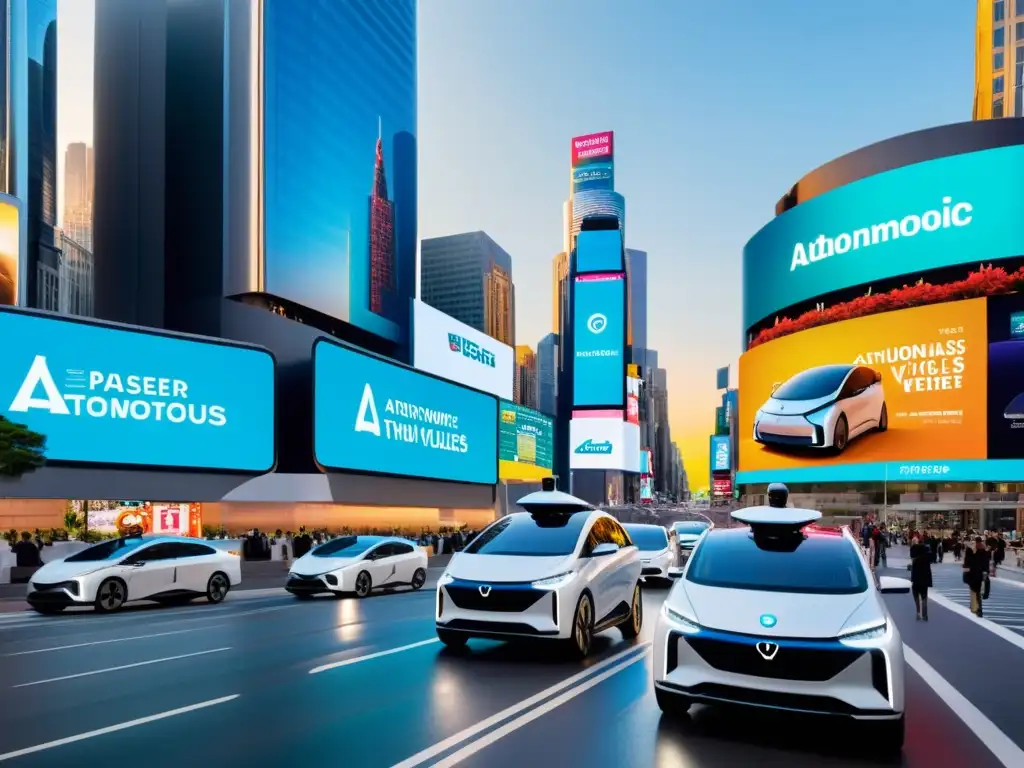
[(976, 566), (920, 576)]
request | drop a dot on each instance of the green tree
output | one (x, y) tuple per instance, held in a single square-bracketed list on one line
[(21, 449)]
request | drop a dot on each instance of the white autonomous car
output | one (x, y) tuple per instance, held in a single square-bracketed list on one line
[(656, 554), (561, 570), (358, 565), (782, 615), (823, 407), (687, 533), (168, 570)]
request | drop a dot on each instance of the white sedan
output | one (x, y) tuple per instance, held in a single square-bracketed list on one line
[(656, 554), (358, 565), (167, 570)]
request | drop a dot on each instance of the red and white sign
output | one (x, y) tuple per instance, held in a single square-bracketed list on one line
[(171, 519), (721, 486), (593, 146)]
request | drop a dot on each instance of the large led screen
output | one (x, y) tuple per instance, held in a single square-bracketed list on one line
[(928, 392), (940, 213), (106, 395), (375, 416), (10, 250), (599, 338), (339, 155), (599, 250), (526, 444)]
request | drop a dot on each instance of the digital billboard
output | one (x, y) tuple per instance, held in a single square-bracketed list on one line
[(604, 443), (632, 400), (593, 148), (940, 213), (599, 340), (721, 453), (597, 175), (339, 189), (721, 486), (10, 239), (375, 416), (526, 444), (599, 250), (108, 395), (924, 392), (455, 351)]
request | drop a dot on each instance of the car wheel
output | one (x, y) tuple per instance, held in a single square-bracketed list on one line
[(890, 735), (111, 595), (635, 621), (883, 419), (582, 627), (840, 435), (419, 578), (363, 584), (217, 587), (672, 703), (452, 639), (49, 610)]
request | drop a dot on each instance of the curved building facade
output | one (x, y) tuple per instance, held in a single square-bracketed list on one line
[(597, 202), (888, 355)]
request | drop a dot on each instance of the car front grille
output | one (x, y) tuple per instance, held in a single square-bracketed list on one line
[(650, 571), (501, 598), (810, 661)]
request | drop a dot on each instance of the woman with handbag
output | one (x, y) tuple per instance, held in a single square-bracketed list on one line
[(920, 568)]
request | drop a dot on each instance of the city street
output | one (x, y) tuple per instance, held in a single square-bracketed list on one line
[(264, 679)]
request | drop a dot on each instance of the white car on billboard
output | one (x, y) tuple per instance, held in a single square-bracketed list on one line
[(358, 565), (823, 408)]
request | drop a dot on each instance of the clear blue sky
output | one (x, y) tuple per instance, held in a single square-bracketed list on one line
[(717, 107)]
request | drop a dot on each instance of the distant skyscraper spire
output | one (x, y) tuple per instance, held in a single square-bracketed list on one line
[(382, 232)]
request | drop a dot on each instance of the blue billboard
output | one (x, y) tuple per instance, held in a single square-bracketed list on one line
[(599, 341), (339, 153), (103, 394), (375, 416), (721, 453), (598, 175), (599, 251)]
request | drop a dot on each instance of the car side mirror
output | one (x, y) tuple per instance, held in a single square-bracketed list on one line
[(892, 585), (605, 549)]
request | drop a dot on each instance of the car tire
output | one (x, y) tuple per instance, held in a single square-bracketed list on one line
[(672, 704), (631, 627), (890, 735), (840, 434), (364, 584), (49, 610), (581, 636), (217, 587), (111, 596), (883, 418), (419, 578), (451, 639)]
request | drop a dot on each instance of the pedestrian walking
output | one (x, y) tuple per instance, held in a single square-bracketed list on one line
[(976, 567), (920, 576)]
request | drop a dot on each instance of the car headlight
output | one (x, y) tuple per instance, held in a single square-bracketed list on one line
[(556, 581), (865, 634), (681, 622), (446, 578)]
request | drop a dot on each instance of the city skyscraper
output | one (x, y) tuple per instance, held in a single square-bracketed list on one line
[(547, 374), (597, 202), (382, 236), (78, 194), (524, 386), (636, 264), (999, 59), (469, 276)]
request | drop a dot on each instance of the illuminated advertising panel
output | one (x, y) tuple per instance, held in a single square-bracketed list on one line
[(940, 213), (597, 175), (109, 395), (593, 148), (927, 392), (10, 238), (721, 486), (721, 453), (599, 340), (599, 250), (604, 443), (526, 444), (455, 351), (375, 416), (632, 400), (646, 495)]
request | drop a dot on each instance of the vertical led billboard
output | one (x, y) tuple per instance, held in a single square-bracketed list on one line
[(593, 162), (339, 157), (599, 341), (526, 444), (599, 250), (10, 239), (721, 453)]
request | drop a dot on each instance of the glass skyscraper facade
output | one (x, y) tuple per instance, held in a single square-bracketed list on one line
[(637, 266), (42, 248), (597, 202), (547, 374)]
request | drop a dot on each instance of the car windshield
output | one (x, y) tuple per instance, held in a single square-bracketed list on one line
[(690, 528), (107, 550), (813, 383), (540, 534), (345, 546), (649, 538), (816, 564)]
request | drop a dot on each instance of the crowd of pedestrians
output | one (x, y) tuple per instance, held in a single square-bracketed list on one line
[(258, 545)]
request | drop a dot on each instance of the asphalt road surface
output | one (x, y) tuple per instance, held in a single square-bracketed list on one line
[(263, 679)]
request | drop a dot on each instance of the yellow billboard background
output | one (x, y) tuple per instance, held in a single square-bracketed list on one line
[(10, 235), (934, 366)]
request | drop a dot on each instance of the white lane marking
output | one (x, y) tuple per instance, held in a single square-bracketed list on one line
[(465, 735), (114, 640), (369, 656), (514, 725), (123, 666), (996, 629), (118, 727), (988, 733)]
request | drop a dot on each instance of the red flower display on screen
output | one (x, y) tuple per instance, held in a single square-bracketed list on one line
[(987, 281)]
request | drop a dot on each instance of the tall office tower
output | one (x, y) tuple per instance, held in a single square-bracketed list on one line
[(469, 276), (999, 59), (77, 216), (382, 237), (636, 262), (524, 385), (559, 290), (658, 424), (597, 202), (75, 279), (547, 374)]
